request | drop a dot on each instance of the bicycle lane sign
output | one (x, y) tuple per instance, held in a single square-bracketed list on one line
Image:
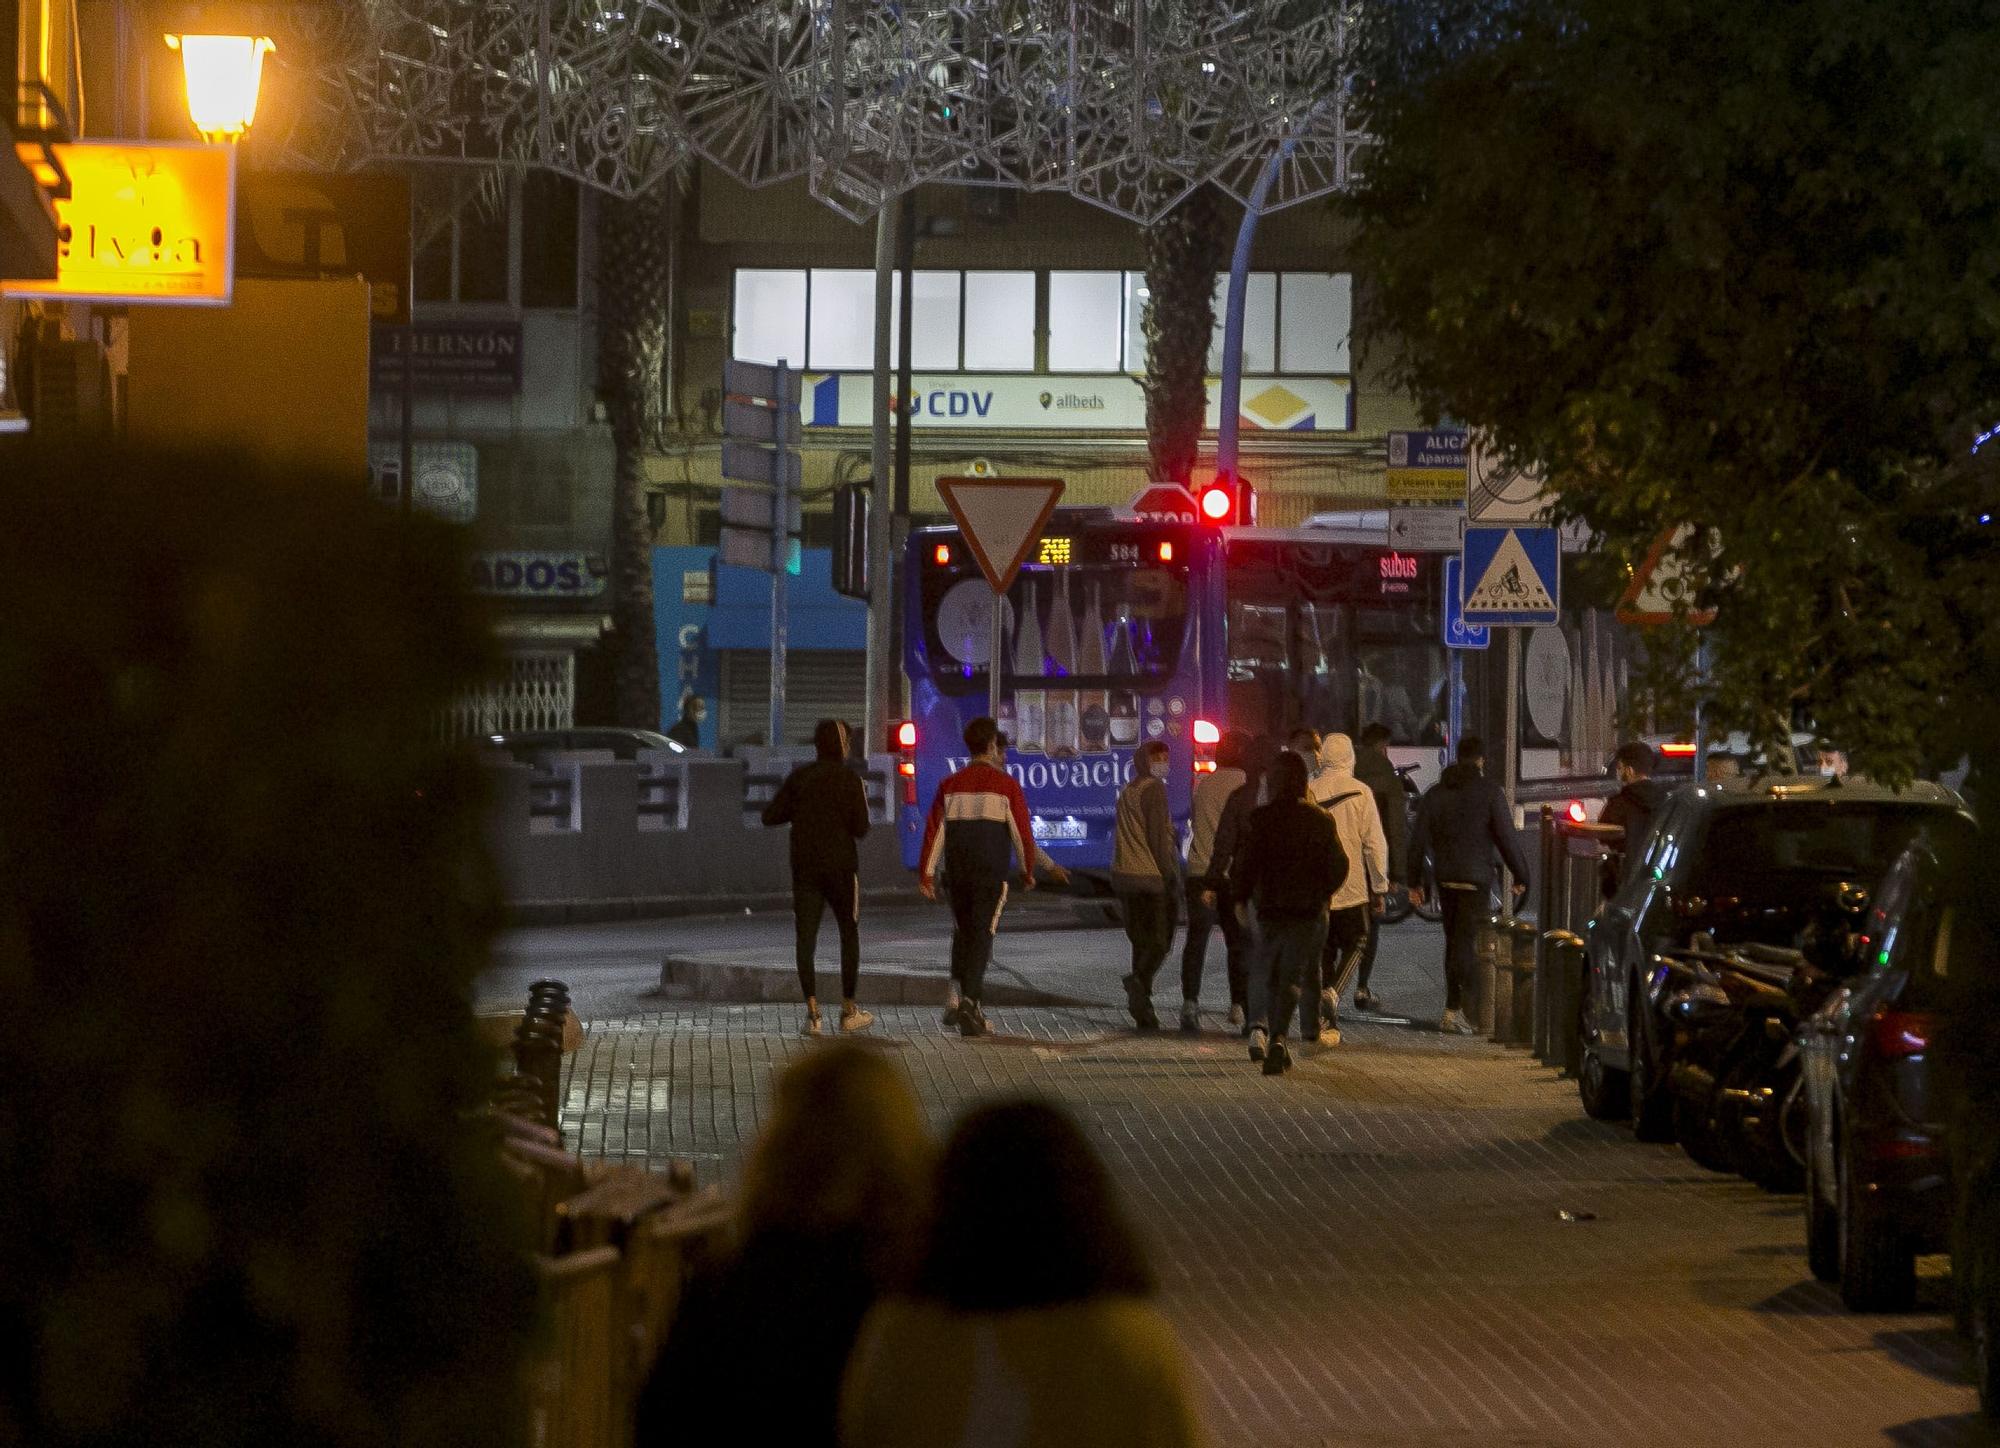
[(1457, 634), (1513, 577)]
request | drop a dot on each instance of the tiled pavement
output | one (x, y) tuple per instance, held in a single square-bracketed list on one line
[(1373, 1249)]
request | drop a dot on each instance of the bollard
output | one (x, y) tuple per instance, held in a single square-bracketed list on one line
[(1548, 888), (1521, 966), (1569, 963), (1483, 988)]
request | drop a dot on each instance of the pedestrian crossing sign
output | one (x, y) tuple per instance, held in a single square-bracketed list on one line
[(1513, 576)]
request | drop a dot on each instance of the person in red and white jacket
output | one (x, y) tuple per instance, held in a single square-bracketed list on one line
[(979, 827)]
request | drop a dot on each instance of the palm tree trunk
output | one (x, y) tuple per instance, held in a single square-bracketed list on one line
[(1184, 251), (634, 294)]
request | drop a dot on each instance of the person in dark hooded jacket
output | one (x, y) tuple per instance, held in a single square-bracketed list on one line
[(1632, 809), (1463, 820), (827, 807)]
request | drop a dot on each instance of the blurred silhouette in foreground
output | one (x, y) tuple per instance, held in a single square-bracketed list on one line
[(1029, 1323), (243, 905), (831, 1217)]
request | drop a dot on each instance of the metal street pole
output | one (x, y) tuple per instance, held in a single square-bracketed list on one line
[(1239, 286), (899, 518), (882, 662), (781, 557), (1510, 756), (996, 660)]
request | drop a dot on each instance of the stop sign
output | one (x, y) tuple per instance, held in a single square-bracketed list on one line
[(1168, 501)]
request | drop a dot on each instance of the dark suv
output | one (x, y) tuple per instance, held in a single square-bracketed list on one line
[(1878, 1178), (1742, 862)]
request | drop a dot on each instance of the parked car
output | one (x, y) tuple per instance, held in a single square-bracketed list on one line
[(1740, 862), (1878, 1174), (619, 743)]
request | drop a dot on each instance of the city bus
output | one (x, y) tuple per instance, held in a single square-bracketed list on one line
[(1124, 629)]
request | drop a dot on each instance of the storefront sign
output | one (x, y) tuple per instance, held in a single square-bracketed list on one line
[(479, 358), (143, 223), (300, 224), (538, 575), (1080, 403)]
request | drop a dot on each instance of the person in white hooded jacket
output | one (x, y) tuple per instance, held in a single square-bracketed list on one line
[(1355, 818)]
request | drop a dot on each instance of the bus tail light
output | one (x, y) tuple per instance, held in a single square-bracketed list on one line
[(905, 734), (1576, 812), (1206, 736)]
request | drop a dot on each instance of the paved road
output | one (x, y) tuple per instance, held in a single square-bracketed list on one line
[(1409, 1240)]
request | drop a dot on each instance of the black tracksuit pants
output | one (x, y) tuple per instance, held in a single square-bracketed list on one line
[(813, 893), (976, 903)]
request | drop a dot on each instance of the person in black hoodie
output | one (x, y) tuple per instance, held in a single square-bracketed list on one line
[(1288, 866), (827, 809), (1462, 821), (1632, 809)]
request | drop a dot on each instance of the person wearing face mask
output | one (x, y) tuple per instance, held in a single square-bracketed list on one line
[(827, 808), (1146, 873)]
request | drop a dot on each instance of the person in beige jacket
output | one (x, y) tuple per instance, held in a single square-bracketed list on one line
[(1146, 873), (1359, 825)]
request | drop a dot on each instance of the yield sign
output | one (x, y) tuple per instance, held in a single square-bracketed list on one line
[(1001, 518), (1662, 582)]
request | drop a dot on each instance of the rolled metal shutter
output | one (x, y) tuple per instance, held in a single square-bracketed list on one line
[(819, 684)]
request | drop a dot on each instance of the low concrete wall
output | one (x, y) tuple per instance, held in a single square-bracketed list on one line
[(571, 837)]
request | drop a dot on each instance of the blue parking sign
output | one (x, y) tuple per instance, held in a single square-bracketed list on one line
[(1457, 633)]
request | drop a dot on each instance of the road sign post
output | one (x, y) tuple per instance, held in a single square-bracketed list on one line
[(760, 447), (1000, 519)]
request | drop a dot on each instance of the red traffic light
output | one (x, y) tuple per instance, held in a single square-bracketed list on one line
[(1227, 501)]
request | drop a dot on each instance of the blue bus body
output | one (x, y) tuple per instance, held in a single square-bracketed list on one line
[(1257, 629)]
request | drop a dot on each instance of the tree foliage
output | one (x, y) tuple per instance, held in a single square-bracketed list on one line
[(1730, 265), (1184, 251), (243, 907)]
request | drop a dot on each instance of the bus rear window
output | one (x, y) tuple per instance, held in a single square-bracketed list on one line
[(1088, 623)]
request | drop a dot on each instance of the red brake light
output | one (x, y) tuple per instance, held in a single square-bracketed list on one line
[(941, 555), (1206, 733), (1216, 504), (1166, 552), (1896, 1034), (1576, 811), (906, 734), (1677, 750)]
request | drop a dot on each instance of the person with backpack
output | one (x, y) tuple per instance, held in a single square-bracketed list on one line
[(1350, 804), (1632, 809), (1146, 875), (1288, 868), (827, 807), (1463, 821)]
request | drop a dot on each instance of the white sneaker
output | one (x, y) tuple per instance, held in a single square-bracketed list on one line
[(1236, 1016), (811, 1027), (856, 1019), (1260, 1041), (951, 1004)]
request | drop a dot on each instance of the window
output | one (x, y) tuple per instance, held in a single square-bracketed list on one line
[(769, 320), (1086, 321), (934, 303), (548, 240), (1260, 323), (841, 311), (1316, 309), (999, 321), (466, 259), (1138, 616)]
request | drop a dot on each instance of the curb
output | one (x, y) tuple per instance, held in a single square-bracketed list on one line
[(668, 907), (708, 980)]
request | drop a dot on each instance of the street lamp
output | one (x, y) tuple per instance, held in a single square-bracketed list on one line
[(224, 74)]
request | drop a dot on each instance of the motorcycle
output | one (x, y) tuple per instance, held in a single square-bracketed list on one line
[(1737, 1075), (1399, 907)]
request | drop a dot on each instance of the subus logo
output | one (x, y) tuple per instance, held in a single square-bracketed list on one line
[(1401, 566), (1098, 773)]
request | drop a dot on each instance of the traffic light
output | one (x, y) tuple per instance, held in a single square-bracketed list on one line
[(1227, 501)]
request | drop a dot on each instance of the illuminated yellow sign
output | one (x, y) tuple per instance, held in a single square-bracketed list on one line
[(1055, 552), (143, 223)]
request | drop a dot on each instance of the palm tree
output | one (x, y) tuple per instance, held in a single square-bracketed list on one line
[(633, 251), (1184, 251)]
